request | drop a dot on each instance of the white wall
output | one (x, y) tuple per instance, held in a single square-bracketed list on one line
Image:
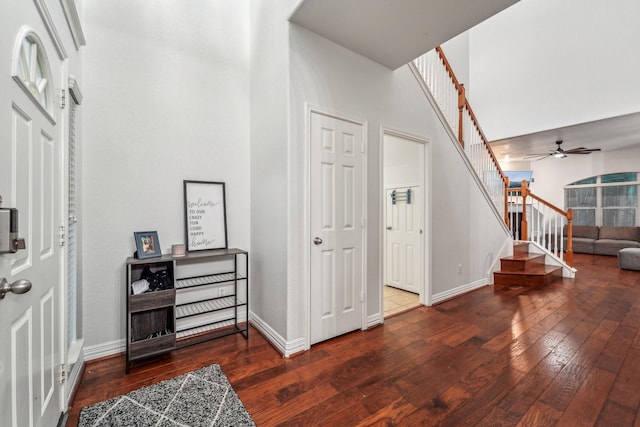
[(457, 52), (166, 99), (171, 96), (543, 64), (325, 75), (269, 162)]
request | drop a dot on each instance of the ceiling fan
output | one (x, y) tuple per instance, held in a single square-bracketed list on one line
[(560, 153)]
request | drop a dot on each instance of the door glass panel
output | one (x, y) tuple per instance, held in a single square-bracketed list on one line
[(31, 66)]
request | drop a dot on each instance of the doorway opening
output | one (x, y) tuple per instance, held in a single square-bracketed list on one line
[(397, 301), (404, 223)]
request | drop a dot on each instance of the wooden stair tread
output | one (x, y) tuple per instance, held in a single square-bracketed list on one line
[(534, 270), (523, 256), (521, 261)]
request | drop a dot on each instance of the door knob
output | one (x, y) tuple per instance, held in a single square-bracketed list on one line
[(18, 287), (317, 241), (389, 228)]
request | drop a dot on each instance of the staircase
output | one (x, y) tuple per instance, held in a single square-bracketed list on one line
[(525, 269), (526, 216)]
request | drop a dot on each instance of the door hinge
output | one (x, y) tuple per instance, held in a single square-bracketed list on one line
[(63, 374), (63, 98), (361, 296), (62, 236), (362, 148)]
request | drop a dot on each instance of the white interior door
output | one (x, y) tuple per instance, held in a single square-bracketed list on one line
[(31, 180), (337, 226), (404, 238)]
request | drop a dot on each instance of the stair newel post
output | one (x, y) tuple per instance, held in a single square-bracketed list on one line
[(461, 104), (568, 257), (523, 225)]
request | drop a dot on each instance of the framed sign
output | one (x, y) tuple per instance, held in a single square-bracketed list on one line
[(205, 215)]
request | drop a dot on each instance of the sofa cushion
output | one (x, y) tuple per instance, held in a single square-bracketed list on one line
[(619, 233), (583, 231), (612, 246), (580, 245)]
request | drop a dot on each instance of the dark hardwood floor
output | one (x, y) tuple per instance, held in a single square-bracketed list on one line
[(568, 355)]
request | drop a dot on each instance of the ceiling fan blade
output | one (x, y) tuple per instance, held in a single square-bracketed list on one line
[(581, 150), (534, 156)]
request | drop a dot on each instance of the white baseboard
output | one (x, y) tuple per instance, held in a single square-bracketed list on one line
[(73, 378), (105, 349), (284, 347), (451, 293), (374, 319)]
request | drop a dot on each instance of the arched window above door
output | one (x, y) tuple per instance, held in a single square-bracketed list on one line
[(31, 69)]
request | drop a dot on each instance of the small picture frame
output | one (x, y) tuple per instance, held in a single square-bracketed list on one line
[(147, 244), (205, 215)]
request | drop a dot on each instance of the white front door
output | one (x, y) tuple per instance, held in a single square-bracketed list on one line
[(31, 181), (337, 226), (403, 268)]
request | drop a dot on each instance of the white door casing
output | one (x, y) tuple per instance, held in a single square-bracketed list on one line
[(31, 180), (404, 231), (337, 150), (406, 163)]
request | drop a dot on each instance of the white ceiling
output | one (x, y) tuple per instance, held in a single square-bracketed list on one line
[(608, 134), (393, 32)]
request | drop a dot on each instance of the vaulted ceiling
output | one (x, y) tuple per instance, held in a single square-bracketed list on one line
[(393, 32)]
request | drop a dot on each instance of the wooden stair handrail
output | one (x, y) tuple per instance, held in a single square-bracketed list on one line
[(525, 192), (463, 103)]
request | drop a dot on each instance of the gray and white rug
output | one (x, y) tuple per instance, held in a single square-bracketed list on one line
[(196, 399)]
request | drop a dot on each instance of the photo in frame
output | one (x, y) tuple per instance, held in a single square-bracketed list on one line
[(205, 215), (147, 244)]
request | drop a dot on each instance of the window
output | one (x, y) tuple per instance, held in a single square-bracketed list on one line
[(619, 177), (610, 200), (583, 203), (619, 205)]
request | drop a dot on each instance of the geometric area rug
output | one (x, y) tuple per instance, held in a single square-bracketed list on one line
[(196, 399)]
